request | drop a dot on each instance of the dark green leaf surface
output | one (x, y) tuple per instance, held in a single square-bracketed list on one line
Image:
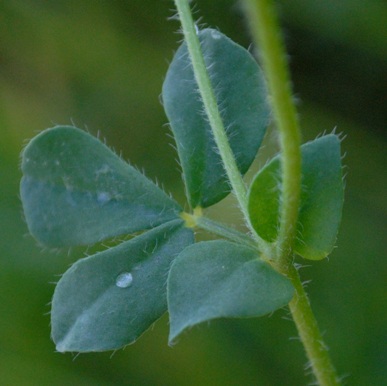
[(76, 191), (322, 198), (217, 279), (241, 95), (107, 300)]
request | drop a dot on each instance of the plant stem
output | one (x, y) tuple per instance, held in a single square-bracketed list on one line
[(210, 103), (266, 33), (234, 235), (198, 220), (308, 330), (265, 30), (212, 111)]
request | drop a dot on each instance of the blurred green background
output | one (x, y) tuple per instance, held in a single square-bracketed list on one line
[(100, 65)]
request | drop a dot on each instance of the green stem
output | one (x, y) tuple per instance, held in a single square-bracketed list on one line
[(266, 33), (210, 103), (218, 229), (213, 114), (310, 335), (234, 235), (265, 30)]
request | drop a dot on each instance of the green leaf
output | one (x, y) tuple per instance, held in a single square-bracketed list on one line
[(322, 198), (76, 191), (242, 98), (107, 300), (218, 279)]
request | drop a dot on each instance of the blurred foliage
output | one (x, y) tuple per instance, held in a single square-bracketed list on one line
[(101, 64)]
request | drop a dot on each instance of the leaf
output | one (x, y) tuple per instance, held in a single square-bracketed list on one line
[(241, 94), (321, 204), (76, 191), (218, 279), (107, 300)]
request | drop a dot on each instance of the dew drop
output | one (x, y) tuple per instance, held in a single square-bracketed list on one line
[(124, 280)]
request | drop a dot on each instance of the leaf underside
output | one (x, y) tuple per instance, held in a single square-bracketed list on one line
[(241, 95), (90, 312), (220, 279), (76, 191), (322, 198)]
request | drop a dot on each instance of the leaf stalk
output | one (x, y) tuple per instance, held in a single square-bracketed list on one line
[(212, 111), (210, 102), (198, 220)]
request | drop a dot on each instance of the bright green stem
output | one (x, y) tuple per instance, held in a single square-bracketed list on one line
[(265, 30), (210, 103), (266, 33), (213, 114), (197, 220), (316, 350), (234, 235)]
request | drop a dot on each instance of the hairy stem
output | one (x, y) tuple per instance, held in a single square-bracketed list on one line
[(198, 220), (210, 103), (212, 111), (310, 335), (265, 30)]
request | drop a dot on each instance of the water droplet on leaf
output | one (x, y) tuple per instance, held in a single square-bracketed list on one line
[(124, 280)]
